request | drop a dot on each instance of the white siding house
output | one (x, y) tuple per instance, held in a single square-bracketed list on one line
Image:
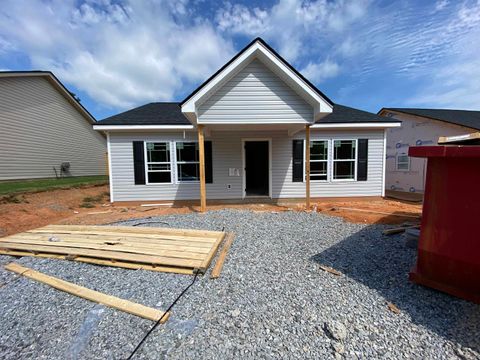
[(252, 118), (43, 126), (420, 127)]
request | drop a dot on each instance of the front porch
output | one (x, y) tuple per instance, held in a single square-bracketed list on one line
[(257, 160)]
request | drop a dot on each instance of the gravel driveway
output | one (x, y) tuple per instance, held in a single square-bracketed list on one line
[(271, 301)]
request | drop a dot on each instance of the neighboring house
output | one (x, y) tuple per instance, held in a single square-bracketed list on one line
[(254, 114), (420, 127), (44, 131)]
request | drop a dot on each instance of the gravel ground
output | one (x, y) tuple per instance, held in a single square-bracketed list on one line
[(271, 301)]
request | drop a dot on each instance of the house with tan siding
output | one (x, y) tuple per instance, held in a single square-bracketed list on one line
[(420, 127), (256, 129), (44, 130)]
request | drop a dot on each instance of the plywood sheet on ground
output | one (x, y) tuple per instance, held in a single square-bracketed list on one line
[(161, 249)]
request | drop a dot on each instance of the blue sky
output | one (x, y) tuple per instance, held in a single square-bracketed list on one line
[(368, 54)]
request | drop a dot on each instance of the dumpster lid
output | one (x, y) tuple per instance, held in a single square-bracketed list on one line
[(459, 151)]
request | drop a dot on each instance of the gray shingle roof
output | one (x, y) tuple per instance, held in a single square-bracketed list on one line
[(345, 114), (170, 114), (467, 118), (157, 113)]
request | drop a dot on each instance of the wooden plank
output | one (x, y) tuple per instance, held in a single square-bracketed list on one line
[(107, 231), (109, 240), (330, 270), (117, 247), (135, 242), (399, 230), (307, 167), (459, 138), (211, 254), (104, 254), (201, 155), (92, 295), (100, 238), (376, 212), (138, 231), (94, 261), (222, 256)]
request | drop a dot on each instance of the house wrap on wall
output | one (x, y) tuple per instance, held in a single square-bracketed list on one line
[(420, 127), (44, 131), (255, 129)]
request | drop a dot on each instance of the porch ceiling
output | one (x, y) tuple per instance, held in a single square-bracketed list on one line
[(255, 127)]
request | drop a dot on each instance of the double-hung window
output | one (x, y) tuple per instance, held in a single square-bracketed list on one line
[(344, 159), (159, 167), (188, 164), (403, 162), (319, 160)]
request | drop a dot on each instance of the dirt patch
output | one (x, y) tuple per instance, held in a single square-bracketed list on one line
[(29, 211), (67, 206), (383, 211)]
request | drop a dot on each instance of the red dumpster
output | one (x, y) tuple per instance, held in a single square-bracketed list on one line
[(449, 245)]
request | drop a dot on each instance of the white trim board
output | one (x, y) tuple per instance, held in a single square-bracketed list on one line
[(110, 178), (357, 125), (142, 127)]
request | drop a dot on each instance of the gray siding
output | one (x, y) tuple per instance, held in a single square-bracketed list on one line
[(40, 129), (253, 95), (227, 153)]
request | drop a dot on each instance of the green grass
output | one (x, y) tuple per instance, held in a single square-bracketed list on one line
[(23, 186)]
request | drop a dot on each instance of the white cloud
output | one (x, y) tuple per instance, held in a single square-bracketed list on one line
[(454, 83), (289, 24), (120, 54), (441, 4), (319, 72)]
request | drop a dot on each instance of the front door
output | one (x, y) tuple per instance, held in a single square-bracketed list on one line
[(257, 179)]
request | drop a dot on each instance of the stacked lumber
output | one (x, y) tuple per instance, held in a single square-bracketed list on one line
[(159, 249)]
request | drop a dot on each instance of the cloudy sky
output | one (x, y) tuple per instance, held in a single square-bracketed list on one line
[(363, 53)]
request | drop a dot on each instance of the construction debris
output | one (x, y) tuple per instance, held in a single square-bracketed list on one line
[(375, 212), (393, 308), (92, 295), (159, 249), (466, 139), (222, 256), (330, 270), (399, 230)]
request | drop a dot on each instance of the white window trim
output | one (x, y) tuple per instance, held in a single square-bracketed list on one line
[(177, 181), (342, 160), (305, 161), (396, 162), (146, 162)]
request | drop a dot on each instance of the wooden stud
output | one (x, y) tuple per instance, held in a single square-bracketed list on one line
[(222, 256), (103, 254), (92, 295), (307, 167), (201, 154), (132, 229), (121, 264)]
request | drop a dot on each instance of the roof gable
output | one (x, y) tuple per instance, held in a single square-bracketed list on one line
[(260, 50)]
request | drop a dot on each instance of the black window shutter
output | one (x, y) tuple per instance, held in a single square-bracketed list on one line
[(139, 163), (208, 162), (297, 156), (362, 160)]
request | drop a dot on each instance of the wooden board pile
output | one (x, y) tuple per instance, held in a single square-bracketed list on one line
[(159, 249)]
